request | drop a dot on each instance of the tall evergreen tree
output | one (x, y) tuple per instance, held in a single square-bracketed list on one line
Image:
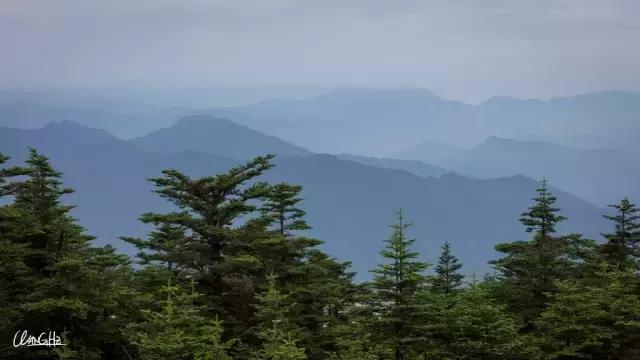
[(3, 159), (623, 245), (473, 327), (276, 330), (395, 285), (596, 317), (321, 289), (447, 278), (541, 218), (165, 247), (206, 233), (319, 285), (64, 289), (529, 269), (15, 276), (179, 330), (280, 208), (52, 231)]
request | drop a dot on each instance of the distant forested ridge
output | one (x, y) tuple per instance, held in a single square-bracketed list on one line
[(228, 272)]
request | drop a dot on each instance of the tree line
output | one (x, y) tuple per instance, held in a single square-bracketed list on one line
[(229, 274)]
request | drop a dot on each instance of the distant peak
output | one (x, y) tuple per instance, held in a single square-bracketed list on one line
[(378, 92), (64, 124), (200, 120)]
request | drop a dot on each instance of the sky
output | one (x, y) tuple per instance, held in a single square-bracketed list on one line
[(466, 49)]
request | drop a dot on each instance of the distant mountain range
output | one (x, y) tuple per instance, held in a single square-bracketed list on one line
[(415, 167), (381, 122), (349, 204), (369, 122), (123, 121), (207, 134), (600, 175)]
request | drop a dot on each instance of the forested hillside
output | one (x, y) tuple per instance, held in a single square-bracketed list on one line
[(229, 273)]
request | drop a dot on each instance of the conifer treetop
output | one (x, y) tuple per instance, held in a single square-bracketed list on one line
[(541, 217)]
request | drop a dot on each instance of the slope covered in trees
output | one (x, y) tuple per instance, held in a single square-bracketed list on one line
[(229, 273)]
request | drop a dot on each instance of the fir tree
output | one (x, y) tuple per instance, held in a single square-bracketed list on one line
[(395, 286), (64, 289), (204, 238), (321, 289), (473, 327), (541, 217), (3, 159), (595, 317), (447, 278), (51, 230), (165, 247), (622, 245), (179, 330), (15, 276), (529, 269), (275, 330), (280, 208)]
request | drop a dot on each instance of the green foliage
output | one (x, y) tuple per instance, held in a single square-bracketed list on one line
[(235, 243), (275, 329), (205, 240), (472, 326), (447, 278), (54, 279), (395, 286), (623, 246), (541, 217), (529, 269), (280, 208), (594, 318), (179, 330)]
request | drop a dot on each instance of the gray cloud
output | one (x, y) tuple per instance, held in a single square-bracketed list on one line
[(465, 49)]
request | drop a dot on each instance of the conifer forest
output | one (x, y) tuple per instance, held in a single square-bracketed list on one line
[(230, 274)]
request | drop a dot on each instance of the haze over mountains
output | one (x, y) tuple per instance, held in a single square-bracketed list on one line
[(211, 135), (371, 122), (456, 168), (381, 122), (349, 203), (598, 175)]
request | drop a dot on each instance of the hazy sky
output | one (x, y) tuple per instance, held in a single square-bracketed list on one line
[(463, 49)]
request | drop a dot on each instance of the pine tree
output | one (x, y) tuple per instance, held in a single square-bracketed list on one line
[(541, 217), (3, 159), (447, 278), (280, 208), (179, 330), (165, 247), (622, 246), (529, 269), (395, 286), (15, 276), (595, 317), (321, 289), (64, 289), (319, 285), (356, 340), (276, 330), (205, 239), (37, 201), (473, 327)]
